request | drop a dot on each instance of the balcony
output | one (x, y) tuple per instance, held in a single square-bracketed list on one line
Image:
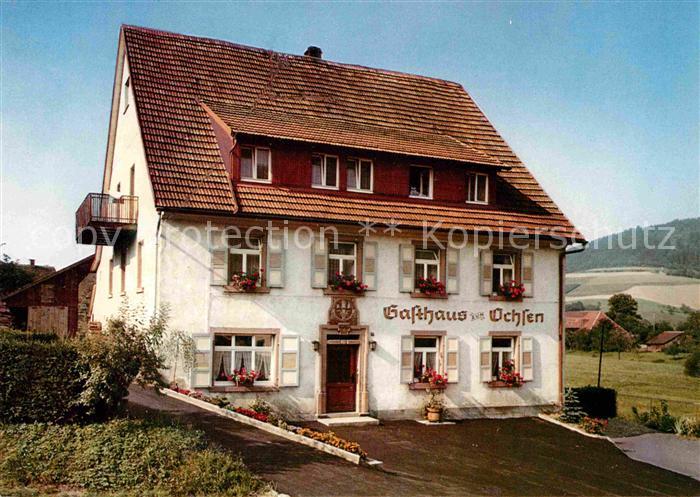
[(104, 220)]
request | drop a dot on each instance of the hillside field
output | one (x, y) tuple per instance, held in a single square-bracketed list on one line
[(641, 379)]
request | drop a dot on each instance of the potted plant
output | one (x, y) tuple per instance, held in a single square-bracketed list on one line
[(509, 376), (434, 406), (245, 282), (431, 286), (512, 290), (347, 282), (241, 377)]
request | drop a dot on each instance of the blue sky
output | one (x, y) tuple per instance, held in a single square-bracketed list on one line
[(600, 100)]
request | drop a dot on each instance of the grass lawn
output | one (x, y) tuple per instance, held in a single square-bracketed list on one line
[(641, 379)]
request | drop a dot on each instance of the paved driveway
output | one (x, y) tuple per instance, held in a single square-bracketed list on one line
[(524, 456)]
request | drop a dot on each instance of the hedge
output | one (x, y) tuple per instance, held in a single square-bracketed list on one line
[(121, 455), (40, 378), (597, 402)]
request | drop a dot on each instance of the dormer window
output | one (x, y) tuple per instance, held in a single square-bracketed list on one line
[(420, 182), (359, 175), (477, 188), (255, 164), (324, 171)]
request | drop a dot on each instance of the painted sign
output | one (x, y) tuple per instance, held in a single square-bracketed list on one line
[(425, 314)]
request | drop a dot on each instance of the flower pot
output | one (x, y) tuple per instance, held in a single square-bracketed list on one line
[(433, 414)]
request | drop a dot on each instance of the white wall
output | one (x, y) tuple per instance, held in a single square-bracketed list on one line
[(128, 152), (299, 309)]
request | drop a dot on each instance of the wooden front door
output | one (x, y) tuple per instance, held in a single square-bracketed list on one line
[(341, 378)]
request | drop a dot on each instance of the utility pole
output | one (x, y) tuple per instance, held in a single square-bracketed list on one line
[(603, 326)]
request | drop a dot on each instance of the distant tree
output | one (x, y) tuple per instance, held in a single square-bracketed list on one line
[(662, 325), (622, 304), (691, 327), (12, 275), (575, 306)]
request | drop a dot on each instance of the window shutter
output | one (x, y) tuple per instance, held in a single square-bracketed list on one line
[(406, 359), (526, 368), (452, 272), (528, 275), (406, 268), (485, 358), (275, 261), (369, 265), (452, 359), (219, 264), (319, 263), (289, 361), (201, 372), (486, 270)]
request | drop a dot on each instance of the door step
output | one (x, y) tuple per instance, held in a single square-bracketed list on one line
[(349, 421)]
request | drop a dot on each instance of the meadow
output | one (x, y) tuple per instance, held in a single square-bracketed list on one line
[(641, 379)]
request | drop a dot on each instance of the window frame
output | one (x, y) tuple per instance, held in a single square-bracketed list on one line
[(358, 174), (500, 267), (343, 257), (430, 182), (424, 351), (245, 252), (425, 263), (254, 178), (476, 189), (233, 348), (324, 166), (127, 85), (500, 350)]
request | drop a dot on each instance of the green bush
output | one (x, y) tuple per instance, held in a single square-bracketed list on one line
[(120, 455), (572, 411), (658, 418), (692, 364), (597, 402), (44, 379), (40, 380)]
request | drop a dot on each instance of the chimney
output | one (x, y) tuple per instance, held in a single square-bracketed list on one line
[(32, 262), (314, 52)]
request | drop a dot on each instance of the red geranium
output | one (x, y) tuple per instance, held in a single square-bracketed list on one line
[(431, 286), (347, 282), (512, 290), (509, 376), (435, 379)]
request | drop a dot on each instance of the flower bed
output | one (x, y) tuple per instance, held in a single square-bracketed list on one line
[(261, 411)]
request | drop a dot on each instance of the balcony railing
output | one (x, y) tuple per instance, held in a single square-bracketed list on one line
[(101, 219)]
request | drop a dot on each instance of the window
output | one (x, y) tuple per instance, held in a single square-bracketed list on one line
[(324, 171), (111, 276), (235, 352), (425, 351), (47, 293), (244, 256), (132, 179), (360, 174), (127, 84), (503, 269), (122, 268), (420, 182), (255, 164), (427, 264), (139, 266), (502, 350), (477, 188), (342, 258)]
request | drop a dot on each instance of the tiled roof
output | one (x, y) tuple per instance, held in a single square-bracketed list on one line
[(664, 337), (258, 91), (587, 320)]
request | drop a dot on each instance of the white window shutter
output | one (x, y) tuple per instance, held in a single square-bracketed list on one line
[(319, 263), (452, 359), (275, 261), (406, 267), (486, 272), (369, 265), (406, 359), (526, 358), (289, 361), (452, 270), (201, 372), (485, 358), (219, 266), (528, 273)]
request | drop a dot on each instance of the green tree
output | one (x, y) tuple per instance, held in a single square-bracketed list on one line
[(575, 306), (622, 304), (12, 275)]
